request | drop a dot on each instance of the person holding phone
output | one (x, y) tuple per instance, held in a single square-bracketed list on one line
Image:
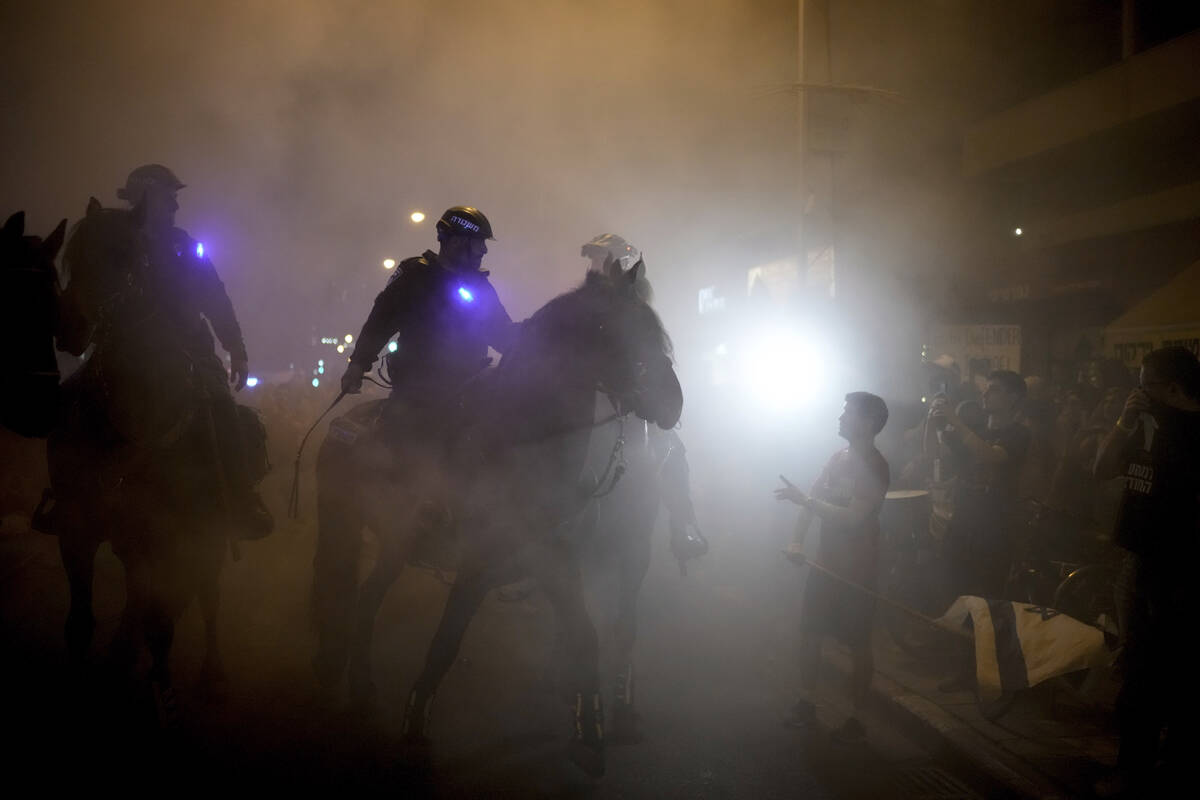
[(978, 548), (846, 498), (1155, 447)]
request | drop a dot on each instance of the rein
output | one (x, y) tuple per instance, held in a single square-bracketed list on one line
[(294, 494), (616, 460)]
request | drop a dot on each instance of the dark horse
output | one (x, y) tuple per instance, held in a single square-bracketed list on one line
[(133, 460), (29, 322), (513, 477)]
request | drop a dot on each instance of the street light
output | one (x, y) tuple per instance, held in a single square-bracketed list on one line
[(389, 263), (1017, 231), (417, 217)]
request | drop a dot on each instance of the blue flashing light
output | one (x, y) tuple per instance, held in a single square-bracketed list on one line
[(316, 382), (199, 249), (393, 347), (252, 381), (466, 295)]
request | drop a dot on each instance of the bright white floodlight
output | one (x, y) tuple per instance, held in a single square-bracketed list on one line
[(782, 370)]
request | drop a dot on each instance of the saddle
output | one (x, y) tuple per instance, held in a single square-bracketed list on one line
[(379, 437)]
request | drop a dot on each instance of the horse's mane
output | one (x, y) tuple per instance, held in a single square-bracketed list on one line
[(599, 295)]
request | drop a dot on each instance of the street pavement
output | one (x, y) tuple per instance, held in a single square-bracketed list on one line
[(716, 660)]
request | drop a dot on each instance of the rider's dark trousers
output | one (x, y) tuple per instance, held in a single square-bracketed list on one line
[(674, 478), (227, 428), (1159, 688)]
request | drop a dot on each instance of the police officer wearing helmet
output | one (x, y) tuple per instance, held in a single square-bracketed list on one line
[(609, 253), (189, 291), (445, 311)]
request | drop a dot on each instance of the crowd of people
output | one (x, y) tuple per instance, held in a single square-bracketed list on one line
[(1113, 455)]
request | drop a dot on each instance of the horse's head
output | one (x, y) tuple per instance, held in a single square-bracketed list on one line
[(105, 246), (28, 295), (609, 331), (21, 252)]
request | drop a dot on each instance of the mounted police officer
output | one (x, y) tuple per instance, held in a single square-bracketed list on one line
[(189, 291), (604, 252), (447, 315)]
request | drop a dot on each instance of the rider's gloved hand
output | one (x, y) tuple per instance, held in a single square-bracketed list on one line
[(239, 370), (686, 540), (353, 379)]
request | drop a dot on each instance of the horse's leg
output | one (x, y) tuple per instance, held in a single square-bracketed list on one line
[(634, 562), (208, 594), (130, 635), (557, 570), (470, 587), (78, 552), (335, 574), (370, 599), (160, 633), (147, 619)]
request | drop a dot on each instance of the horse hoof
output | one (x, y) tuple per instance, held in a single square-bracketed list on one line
[(78, 633), (213, 683), (362, 696), (166, 706), (623, 728), (415, 756), (328, 667), (586, 747), (588, 757)]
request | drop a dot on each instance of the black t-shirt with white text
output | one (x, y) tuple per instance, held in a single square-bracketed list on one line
[(1158, 514)]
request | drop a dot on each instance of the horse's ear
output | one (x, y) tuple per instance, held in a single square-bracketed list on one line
[(139, 212), (93, 206), (15, 226), (635, 272), (54, 241)]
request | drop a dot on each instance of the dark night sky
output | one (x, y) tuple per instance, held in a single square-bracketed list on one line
[(307, 131)]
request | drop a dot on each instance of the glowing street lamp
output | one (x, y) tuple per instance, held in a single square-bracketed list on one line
[(389, 263), (417, 217), (1017, 231), (349, 338)]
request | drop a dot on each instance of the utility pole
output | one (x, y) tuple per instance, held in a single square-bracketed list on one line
[(801, 140)]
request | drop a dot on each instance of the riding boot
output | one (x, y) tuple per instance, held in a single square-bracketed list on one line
[(586, 747), (416, 716), (251, 518)]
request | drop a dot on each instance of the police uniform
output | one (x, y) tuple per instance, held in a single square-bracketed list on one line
[(189, 291), (446, 320), (186, 290)]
